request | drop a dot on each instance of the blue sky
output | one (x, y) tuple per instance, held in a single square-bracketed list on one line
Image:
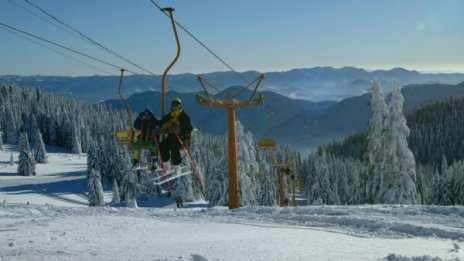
[(262, 35)]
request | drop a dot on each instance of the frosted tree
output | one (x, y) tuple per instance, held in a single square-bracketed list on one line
[(198, 151), (321, 191), (183, 187), (111, 158), (11, 129), (247, 166), (93, 161), (122, 166), (129, 189), (116, 197), (458, 181), (26, 164), (216, 179), (40, 154), (397, 168), (76, 147), (95, 189), (1, 138), (267, 192), (374, 138)]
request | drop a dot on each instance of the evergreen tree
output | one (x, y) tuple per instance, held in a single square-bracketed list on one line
[(216, 173), (320, 190), (267, 193), (374, 138), (40, 154), (93, 161), (183, 187), (122, 167), (11, 128), (95, 189), (76, 147), (398, 167), (458, 181), (116, 197), (26, 164), (197, 154), (1, 138), (129, 189), (247, 166)]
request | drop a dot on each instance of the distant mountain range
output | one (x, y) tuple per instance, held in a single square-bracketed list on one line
[(313, 84)]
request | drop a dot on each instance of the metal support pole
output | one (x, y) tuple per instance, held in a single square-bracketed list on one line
[(232, 154), (163, 79)]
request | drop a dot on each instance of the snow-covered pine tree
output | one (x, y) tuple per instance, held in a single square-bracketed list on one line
[(247, 166), (458, 181), (112, 156), (11, 128), (116, 197), (123, 166), (216, 174), (40, 154), (320, 190), (183, 187), (26, 164), (444, 191), (129, 189), (267, 189), (374, 138), (95, 189), (31, 129), (1, 137), (197, 151), (398, 167), (93, 161)]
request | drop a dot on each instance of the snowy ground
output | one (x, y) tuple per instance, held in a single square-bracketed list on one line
[(46, 218)]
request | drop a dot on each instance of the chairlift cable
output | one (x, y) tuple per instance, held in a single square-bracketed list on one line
[(56, 51), (6, 27), (84, 36), (201, 43), (61, 46), (42, 18)]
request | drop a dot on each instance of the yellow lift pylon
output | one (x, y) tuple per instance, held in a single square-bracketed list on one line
[(231, 105)]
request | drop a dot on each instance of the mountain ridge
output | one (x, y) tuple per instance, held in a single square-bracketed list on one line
[(314, 84)]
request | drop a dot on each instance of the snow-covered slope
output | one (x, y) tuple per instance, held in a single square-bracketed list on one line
[(46, 218)]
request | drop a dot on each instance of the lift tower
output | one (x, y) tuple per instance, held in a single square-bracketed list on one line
[(231, 105)]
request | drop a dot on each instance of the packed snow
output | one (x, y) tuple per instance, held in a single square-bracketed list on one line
[(46, 217)]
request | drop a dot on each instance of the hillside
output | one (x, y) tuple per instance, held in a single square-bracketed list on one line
[(352, 114), (299, 123)]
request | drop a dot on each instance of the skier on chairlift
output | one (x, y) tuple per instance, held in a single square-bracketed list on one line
[(176, 131), (147, 124)]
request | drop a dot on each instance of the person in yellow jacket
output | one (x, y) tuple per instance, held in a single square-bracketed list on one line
[(174, 126)]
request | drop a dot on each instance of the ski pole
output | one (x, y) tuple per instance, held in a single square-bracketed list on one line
[(192, 164)]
